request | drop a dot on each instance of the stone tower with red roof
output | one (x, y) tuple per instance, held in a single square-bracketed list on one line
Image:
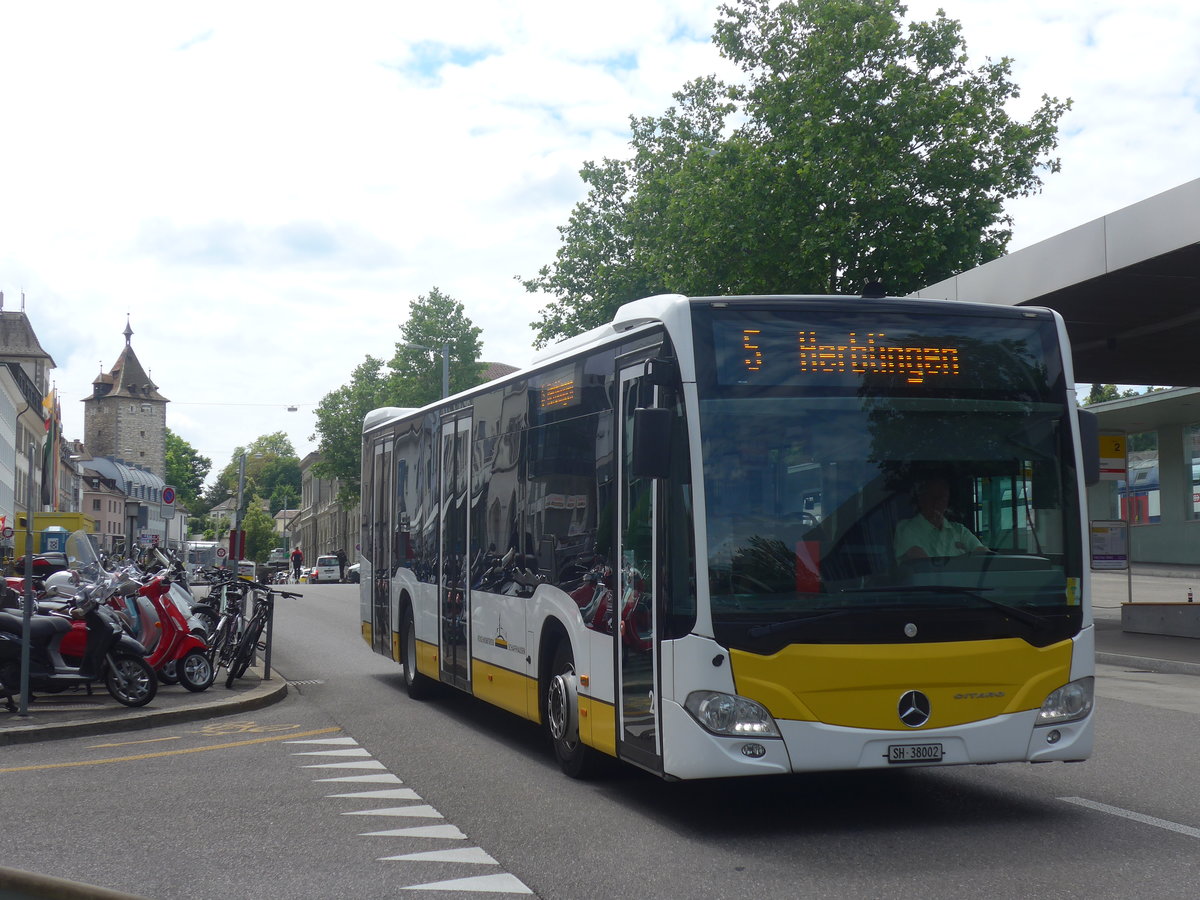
[(126, 416)]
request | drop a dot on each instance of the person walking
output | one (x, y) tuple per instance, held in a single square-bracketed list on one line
[(297, 562), (341, 558)]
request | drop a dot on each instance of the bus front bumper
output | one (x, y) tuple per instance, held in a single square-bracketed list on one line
[(692, 752)]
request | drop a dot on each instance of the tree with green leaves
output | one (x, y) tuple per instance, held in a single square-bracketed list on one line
[(435, 320), (339, 424), (1102, 393), (858, 146), (261, 536), (186, 470), (412, 378), (272, 470)]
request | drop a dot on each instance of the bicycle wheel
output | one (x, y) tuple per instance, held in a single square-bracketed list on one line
[(245, 651), (224, 642)]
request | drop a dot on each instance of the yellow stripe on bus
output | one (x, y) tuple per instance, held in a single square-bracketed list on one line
[(504, 688), (598, 724), (427, 659), (860, 685)]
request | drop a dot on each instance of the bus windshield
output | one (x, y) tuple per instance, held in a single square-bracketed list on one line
[(907, 479)]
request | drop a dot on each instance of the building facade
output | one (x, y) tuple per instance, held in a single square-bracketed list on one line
[(24, 384), (322, 525)]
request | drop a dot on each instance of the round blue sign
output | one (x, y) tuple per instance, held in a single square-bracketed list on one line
[(168, 495)]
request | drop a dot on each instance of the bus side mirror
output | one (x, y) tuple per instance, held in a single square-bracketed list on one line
[(651, 443), (1089, 442)]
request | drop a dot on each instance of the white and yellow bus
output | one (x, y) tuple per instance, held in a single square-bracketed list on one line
[(672, 539)]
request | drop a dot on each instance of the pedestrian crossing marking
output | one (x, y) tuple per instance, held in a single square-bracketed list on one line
[(340, 740), (353, 751), (386, 794), (363, 764), (442, 832), (473, 855), (420, 811), (498, 883), (502, 883)]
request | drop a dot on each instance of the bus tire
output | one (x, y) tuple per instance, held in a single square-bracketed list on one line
[(418, 686), (561, 701)]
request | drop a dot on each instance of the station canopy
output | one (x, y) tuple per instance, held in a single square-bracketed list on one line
[(1127, 285)]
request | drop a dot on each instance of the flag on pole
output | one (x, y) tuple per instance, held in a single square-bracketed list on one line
[(51, 415)]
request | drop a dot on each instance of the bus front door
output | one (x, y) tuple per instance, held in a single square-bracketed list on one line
[(635, 617), (454, 607), (381, 572)]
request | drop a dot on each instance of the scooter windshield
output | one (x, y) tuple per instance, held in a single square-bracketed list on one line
[(82, 555)]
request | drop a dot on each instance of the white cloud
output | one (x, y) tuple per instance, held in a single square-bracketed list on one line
[(264, 187)]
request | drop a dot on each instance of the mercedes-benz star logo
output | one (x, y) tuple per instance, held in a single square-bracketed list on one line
[(914, 709)]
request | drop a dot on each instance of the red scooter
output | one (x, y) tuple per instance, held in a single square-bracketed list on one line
[(176, 646)]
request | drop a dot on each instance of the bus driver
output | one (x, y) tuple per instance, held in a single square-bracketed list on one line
[(929, 532)]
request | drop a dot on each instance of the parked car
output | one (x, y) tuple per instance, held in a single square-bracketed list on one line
[(352, 574), (326, 569)]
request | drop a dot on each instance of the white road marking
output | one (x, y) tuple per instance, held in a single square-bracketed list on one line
[(352, 751), (1136, 817), (419, 811), (386, 794), (474, 855), (341, 740), (499, 883), (365, 764), (495, 884), (445, 832)]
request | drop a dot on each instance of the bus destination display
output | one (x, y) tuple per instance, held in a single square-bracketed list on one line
[(794, 354)]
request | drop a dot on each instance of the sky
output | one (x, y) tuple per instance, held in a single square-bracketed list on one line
[(263, 188)]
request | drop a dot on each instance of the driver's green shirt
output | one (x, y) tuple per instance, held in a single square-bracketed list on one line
[(952, 539)]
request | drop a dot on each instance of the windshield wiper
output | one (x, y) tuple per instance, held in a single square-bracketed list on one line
[(763, 630), (1033, 620)]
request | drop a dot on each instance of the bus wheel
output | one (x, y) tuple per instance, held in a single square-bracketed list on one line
[(419, 686), (562, 716)]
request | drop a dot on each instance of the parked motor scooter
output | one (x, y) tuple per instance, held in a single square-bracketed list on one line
[(177, 647), (202, 614), (107, 653)]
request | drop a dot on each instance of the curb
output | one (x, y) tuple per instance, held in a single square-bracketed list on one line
[(1149, 664), (263, 694), (19, 884)]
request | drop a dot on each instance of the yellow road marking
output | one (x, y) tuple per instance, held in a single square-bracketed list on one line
[(128, 743), (117, 759)]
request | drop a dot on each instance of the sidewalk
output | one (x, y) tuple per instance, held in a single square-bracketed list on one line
[(74, 713), (1148, 584)]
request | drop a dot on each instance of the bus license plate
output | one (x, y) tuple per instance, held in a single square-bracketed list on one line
[(913, 753)]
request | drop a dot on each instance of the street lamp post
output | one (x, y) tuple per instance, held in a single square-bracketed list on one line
[(445, 363)]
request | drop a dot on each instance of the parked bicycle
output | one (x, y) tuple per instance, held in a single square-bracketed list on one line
[(250, 640)]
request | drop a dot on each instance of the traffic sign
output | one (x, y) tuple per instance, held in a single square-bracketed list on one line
[(221, 553), (167, 504)]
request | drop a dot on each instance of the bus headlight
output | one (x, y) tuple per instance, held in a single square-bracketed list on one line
[(1068, 703), (728, 714)]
